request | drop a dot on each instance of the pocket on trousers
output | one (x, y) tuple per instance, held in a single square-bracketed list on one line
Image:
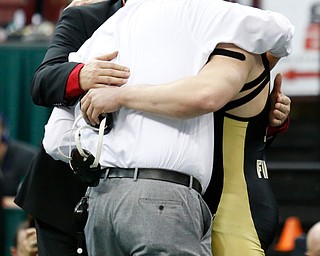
[(160, 205), (207, 224), (207, 218)]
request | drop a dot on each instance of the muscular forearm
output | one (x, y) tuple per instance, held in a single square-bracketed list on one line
[(175, 100), (206, 92), (186, 98)]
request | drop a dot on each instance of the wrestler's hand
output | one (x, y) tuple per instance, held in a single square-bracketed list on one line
[(100, 72), (280, 104), (98, 101), (82, 2)]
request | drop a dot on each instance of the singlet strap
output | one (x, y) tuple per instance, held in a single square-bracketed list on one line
[(265, 62), (263, 80), (239, 102), (228, 53), (256, 81), (260, 78)]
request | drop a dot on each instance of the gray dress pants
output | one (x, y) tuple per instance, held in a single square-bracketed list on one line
[(147, 217)]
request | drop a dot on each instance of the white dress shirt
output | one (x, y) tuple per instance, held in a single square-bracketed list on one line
[(162, 41)]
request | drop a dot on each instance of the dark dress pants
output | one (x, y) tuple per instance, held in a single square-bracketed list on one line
[(53, 242)]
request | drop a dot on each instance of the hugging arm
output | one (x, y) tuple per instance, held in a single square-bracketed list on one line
[(46, 89), (206, 92), (73, 28), (215, 85)]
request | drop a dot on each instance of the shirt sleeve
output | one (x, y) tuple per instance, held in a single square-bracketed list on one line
[(73, 89), (252, 29), (272, 131), (56, 140)]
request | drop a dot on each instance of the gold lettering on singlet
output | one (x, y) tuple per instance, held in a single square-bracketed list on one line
[(262, 170)]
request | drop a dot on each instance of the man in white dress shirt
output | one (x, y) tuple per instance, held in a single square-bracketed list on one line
[(163, 41)]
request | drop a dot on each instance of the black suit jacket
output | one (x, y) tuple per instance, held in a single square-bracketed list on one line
[(75, 26), (50, 190)]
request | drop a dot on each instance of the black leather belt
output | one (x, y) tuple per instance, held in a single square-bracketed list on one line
[(152, 174)]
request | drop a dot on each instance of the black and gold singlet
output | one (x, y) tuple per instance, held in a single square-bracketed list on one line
[(239, 192)]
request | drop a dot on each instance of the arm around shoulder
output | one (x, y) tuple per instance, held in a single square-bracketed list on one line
[(45, 88)]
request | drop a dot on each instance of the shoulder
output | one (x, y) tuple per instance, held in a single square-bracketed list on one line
[(91, 10), (88, 17)]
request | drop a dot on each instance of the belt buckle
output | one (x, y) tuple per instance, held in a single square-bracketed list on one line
[(106, 174), (135, 174), (190, 182)]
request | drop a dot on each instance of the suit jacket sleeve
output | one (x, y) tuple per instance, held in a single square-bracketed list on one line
[(74, 27)]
